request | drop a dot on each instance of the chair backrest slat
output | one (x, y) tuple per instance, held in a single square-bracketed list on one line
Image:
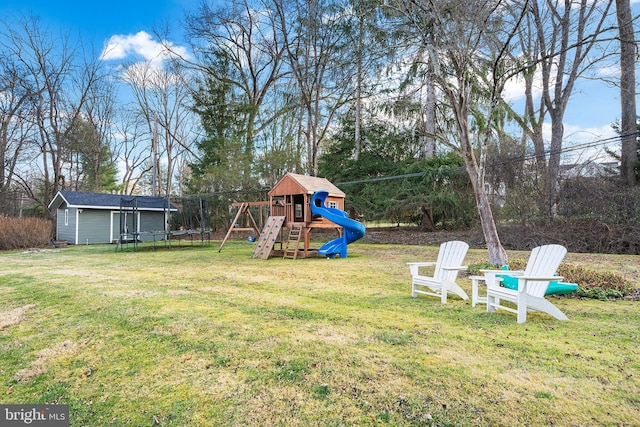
[(451, 255), (543, 261)]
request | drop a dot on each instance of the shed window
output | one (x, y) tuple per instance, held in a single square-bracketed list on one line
[(333, 204), (66, 217)]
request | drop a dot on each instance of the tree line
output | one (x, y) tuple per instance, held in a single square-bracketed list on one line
[(353, 90)]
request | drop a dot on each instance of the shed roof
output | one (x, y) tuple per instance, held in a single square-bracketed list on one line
[(84, 200), (293, 183)]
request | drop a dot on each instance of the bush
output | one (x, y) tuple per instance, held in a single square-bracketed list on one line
[(592, 284), (596, 284), (578, 236), (20, 233)]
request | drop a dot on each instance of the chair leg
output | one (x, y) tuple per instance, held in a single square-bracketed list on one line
[(491, 301), (522, 307), (443, 295), (474, 292), (413, 290)]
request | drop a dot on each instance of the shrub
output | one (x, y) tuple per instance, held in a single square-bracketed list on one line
[(20, 233), (593, 284), (596, 284)]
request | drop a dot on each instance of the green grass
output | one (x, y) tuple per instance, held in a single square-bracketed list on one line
[(193, 337)]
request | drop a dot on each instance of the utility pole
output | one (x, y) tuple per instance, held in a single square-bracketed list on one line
[(154, 159)]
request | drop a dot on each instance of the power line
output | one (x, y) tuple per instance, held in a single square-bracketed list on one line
[(591, 144), (407, 175)]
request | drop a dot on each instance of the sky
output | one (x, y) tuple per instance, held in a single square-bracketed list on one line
[(98, 20), (126, 26)]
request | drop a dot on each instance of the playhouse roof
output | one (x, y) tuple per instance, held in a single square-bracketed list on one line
[(293, 183), (83, 200)]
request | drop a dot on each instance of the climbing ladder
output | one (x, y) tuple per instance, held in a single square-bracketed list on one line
[(295, 232), (268, 237)]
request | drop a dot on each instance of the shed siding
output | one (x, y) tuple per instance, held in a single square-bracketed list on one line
[(116, 217), (151, 222), (94, 226), (66, 232)]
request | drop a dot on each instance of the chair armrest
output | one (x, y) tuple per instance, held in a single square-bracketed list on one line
[(460, 268), (484, 278), (507, 272), (540, 278), (525, 279), (413, 267)]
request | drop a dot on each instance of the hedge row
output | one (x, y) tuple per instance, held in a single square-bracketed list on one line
[(20, 233)]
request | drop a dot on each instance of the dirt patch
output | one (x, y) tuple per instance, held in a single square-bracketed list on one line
[(14, 317), (38, 251), (178, 292), (44, 359), (130, 293)]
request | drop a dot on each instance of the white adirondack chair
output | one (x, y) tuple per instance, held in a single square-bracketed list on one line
[(443, 281), (532, 285)]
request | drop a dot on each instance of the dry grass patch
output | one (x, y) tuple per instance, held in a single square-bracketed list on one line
[(14, 317), (44, 358), (179, 292), (130, 293)]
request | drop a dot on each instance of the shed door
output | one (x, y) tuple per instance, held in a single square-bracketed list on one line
[(123, 223)]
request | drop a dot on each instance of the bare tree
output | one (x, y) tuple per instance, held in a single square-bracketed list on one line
[(100, 111), (314, 35), (559, 40), (60, 76), (16, 106), (161, 94), (132, 148), (466, 43), (242, 32)]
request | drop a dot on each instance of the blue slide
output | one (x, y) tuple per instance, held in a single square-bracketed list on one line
[(352, 230)]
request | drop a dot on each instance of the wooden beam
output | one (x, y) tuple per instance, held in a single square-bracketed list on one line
[(233, 224)]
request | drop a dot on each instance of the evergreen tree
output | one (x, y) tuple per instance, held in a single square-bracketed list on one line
[(222, 156), (387, 182)]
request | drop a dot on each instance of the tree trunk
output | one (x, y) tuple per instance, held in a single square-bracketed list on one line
[(628, 126), (553, 168), (497, 254), (358, 118), (426, 224), (428, 145)]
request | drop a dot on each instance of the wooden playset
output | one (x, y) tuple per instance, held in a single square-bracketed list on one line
[(289, 207)]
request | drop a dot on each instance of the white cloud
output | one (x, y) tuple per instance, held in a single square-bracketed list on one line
[(514, 89), (141, 44), (585, 143), (609, 71)]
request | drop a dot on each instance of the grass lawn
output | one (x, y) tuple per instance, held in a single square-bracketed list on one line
[(194, 337)]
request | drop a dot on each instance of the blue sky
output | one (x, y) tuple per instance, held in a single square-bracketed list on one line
[(593, 107), (97, 20)]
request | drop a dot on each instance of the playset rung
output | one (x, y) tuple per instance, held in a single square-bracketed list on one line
[(293, 242)]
